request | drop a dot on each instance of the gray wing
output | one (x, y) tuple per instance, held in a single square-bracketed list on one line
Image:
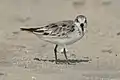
[(60, 29)]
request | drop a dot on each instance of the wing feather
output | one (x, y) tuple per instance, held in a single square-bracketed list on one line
[(59, 29)]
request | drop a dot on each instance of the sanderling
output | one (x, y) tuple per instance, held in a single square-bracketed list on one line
[(61, 33)]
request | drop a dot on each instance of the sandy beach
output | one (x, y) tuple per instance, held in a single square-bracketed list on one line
[(23, 56)]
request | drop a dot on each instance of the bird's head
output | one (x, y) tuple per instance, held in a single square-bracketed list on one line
[(81, 22)]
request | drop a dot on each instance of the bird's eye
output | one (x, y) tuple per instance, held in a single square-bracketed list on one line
[(85, 21), (77, 20)]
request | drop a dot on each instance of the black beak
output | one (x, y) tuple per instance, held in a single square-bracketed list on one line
[(82, 26)]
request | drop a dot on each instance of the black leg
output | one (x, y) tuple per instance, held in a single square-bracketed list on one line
[(66, 56), (55, 51)]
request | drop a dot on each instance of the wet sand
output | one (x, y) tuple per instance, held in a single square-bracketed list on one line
[(25, 57)]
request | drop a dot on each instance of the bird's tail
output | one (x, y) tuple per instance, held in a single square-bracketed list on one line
[(28, 29)]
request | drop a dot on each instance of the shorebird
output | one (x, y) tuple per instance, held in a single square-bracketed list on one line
[(61, 33)]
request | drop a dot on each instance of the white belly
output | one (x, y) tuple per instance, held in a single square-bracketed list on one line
[(64, 41)]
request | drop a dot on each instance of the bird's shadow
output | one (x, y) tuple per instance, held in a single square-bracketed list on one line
[(71, 61)]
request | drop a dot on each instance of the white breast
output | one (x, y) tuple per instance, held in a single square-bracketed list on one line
[(72, 38)]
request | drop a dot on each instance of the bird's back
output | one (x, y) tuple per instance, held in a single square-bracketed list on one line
[(61, 32)]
